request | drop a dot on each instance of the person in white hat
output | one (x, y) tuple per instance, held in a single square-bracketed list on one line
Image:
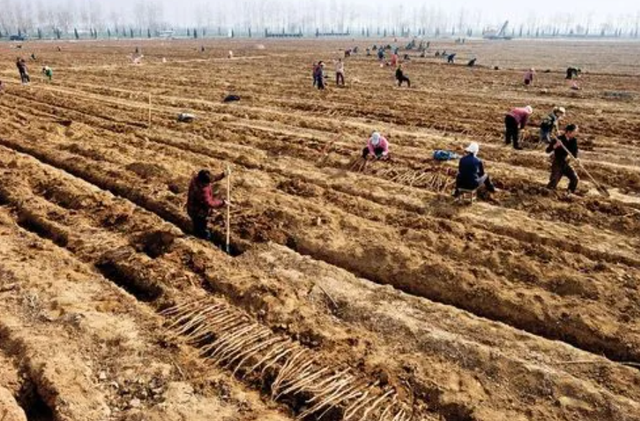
[(471, 173), (377, 147), (515, 121), (549, 125), (529, 76)]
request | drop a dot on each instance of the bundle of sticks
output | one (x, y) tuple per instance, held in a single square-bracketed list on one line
[(230, 338)]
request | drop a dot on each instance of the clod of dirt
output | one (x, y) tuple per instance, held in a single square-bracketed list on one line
[(9, 408), (147, 171), (178, 185), (248, 162), (261, 228), (156, 243), (299, 188)]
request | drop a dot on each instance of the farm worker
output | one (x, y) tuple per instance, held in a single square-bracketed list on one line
[(472, 62), (400, 76), (561, 166), (394, 60), (381, 54), (471, 173), (200, 202), (340, 72), (46, 70), (549, 125), (515, 121), (318, 75), (313, 73), (377, 147), (368, 52), (22, 68), (572, 73), (528, 76), (451, 58)]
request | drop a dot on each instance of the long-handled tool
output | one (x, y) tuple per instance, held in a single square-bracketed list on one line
[(228, 249), (603, 191)]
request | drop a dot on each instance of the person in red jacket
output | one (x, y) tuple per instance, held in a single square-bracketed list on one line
[(515, 121), (200, 202)]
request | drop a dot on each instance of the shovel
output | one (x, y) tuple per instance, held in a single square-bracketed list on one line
[(603, 191), (227, 244)]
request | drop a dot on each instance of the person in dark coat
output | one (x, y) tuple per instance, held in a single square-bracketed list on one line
[(572, 73), (561, 165), (22, 68), (319, 75), (201, 202), (471, 173), (549, 124), (401, 77)]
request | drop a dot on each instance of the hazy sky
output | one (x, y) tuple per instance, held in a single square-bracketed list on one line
[(382, 12)]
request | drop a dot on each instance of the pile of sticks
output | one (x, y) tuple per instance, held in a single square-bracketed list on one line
[(435, 181), (359, 164), (231, 339)]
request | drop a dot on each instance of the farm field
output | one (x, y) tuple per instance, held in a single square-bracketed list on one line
[(366, 295)]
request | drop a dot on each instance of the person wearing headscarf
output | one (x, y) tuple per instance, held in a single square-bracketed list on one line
[(377, 147), (471, 173), (515, 121)]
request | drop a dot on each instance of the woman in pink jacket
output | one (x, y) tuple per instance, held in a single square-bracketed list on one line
[(515, 121), (377, 147), (529, 76)]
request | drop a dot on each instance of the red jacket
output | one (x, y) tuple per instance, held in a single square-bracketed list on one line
[(200, 200)]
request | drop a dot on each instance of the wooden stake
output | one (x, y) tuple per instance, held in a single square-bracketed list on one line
[(228, 208)]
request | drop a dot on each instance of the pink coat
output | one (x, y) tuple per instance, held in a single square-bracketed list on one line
[(384, 144), (521, 116)]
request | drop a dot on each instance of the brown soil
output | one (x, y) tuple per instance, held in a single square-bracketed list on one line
[(385, 299)]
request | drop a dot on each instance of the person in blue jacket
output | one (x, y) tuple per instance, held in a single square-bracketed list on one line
[(471, 173)]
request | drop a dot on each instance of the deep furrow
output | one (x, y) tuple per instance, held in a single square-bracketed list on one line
[(436, 271), (134, 268), (148, 279)]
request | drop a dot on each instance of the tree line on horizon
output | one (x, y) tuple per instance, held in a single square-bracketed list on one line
[(90, 19)]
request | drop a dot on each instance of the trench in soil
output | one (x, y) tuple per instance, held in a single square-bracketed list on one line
[(33, 404), (157, 207), (152, 294), (29, 397)]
